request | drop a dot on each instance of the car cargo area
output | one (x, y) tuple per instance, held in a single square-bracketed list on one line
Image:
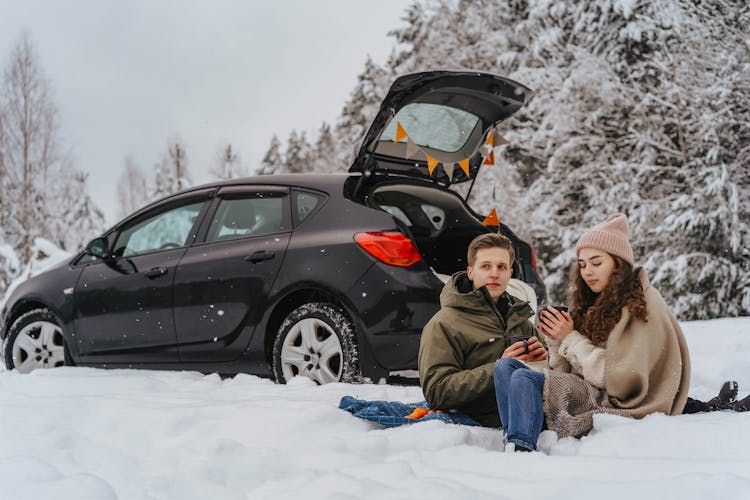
[(435, 219)]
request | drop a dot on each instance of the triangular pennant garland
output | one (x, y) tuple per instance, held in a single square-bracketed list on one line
[(490, 160), (411, 148), (449, 167), (487, 151), (464, 164), (400, 132), (491, 219), (500, 140), (432, 164)]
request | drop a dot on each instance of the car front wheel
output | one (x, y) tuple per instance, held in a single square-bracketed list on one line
[(35, 340), (318, 341)]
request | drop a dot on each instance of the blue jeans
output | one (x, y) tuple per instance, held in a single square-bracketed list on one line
[(518, 391)]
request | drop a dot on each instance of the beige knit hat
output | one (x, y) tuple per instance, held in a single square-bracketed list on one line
[(610, 236)]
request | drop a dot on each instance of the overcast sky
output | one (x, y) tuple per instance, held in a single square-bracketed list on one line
[(129, 75)]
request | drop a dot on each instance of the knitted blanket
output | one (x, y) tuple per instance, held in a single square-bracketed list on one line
[(570, 404)]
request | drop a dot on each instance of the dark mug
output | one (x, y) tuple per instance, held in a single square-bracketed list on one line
[(520, 338), (559, 308)]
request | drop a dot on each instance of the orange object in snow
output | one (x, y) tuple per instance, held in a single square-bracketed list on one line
[(421, 412)]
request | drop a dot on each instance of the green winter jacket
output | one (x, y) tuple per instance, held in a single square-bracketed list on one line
[(460, 345)]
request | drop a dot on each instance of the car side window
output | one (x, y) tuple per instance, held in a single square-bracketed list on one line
[(305, 203), (167, 229), (254, 214)]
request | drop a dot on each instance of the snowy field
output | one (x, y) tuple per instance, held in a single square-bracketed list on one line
[(81, 433)]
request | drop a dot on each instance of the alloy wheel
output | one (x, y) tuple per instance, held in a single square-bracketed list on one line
[(38, 345), (312, 349)]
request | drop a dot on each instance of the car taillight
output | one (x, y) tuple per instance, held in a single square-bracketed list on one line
[(533, 257), (389, 247)]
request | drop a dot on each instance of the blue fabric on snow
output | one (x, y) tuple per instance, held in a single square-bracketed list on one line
[(393, 413)]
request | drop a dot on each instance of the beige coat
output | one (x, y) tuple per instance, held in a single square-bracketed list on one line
[(644, 368)]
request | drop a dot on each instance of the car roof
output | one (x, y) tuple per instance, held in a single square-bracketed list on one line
[(315, 181), (327, 182)]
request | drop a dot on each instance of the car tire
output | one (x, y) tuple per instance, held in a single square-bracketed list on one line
[(36, 340), (316, 340)]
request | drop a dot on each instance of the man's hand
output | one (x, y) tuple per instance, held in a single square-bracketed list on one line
[(517, 350)]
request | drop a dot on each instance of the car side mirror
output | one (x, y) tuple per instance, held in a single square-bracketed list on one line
[(98, 247)]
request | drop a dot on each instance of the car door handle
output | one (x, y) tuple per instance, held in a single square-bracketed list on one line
[(260, 256), (155, 272)]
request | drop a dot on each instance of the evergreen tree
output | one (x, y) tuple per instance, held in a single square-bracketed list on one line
[(273, 161), (360, 109), (409, 37), (171, 174), (178, 166), (227, 164), (322, 156), (80, 219), (297, 157)]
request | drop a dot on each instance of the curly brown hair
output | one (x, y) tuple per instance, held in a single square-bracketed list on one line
[(595, 314)]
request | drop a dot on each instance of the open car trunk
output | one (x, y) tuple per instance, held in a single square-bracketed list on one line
[(438, 222), (434, 124)]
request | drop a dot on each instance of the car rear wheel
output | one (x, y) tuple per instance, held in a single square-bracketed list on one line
[(318, 341), (35, 340)]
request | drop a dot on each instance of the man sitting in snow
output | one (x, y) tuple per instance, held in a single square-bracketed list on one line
[(472, 330)]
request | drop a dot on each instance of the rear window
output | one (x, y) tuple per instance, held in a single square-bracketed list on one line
[(434, 126), (252, 214)]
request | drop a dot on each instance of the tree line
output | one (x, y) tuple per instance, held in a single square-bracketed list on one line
[(170, 174)]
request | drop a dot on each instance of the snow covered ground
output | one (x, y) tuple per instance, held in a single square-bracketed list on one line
[(81, 433)]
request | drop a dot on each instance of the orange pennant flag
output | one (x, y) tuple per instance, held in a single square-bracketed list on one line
[(464, 164), (491, 219), (491, 138), (432, 163), (490, 160), (400, 132)]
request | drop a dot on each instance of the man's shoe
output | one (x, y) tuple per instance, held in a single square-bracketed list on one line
[(511, 447)]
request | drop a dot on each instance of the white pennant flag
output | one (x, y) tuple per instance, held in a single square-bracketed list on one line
[(448, 167), (411, 148)]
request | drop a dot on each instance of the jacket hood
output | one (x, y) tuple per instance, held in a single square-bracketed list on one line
[(459, 293)]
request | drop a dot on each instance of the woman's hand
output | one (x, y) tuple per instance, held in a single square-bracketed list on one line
[(518, 350), (555, 324)]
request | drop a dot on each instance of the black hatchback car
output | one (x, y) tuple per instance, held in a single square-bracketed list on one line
[(329, 276)]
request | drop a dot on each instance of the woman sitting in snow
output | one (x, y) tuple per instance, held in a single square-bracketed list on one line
[(620, 349)]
